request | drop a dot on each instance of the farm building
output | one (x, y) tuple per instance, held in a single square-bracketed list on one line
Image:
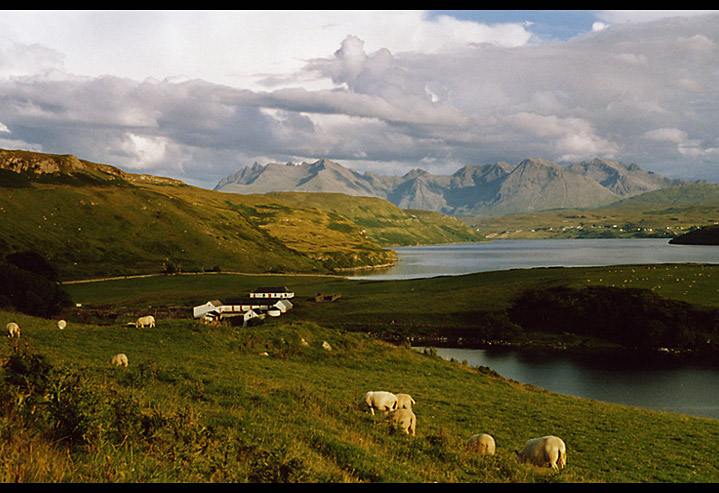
[(209, 307), (236, 307), (280, 292)]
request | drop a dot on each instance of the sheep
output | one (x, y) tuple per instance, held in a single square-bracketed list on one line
[(119, 359), (61, 324), (404, 420), (483, 444), (143, 321), (13, 329), (382, 401), (405, 401), (548, 451)]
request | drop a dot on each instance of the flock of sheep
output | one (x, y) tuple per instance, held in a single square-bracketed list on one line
[(120, 359), (547, 451)]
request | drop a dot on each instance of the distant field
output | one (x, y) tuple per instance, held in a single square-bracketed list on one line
[(629, 221), (406, 306)]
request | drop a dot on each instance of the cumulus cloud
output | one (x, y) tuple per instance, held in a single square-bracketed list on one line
[(18, 59), (638, 16), (393, 92)]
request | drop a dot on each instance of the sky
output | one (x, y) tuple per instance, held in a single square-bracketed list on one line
[(198, 95)]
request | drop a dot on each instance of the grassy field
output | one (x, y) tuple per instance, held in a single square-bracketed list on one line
[(405, 306), (202, 403), (632, 220)]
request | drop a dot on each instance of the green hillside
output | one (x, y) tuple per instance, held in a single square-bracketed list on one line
[(91, 220), (201, 403), (104, 230), (659, 214), (385, 223), (694, 194)]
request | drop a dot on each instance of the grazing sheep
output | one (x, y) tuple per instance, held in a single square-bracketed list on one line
[(405, 401), (13, 329), (483, 444), (548, 451), (119, 359), (143, 321), (404, 420), (381, 401), (61, 324)]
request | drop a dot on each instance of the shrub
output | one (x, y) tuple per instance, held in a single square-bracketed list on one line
[(25, 378), (635, 318), (30, 285)]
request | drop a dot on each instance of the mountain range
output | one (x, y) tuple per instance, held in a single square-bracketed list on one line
[(474, 190)]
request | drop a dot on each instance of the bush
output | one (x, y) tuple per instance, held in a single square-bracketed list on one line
[(635, 318), (30, 286), (65, 403), (25, 379), (32, 262)]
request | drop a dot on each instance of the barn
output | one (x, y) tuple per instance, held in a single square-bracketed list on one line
[(210, 307), (275, 292), (234, 307)]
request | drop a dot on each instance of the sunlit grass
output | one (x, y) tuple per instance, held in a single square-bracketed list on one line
[(224, 412)]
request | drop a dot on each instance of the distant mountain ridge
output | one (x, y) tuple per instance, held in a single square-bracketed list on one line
[(474, 190)]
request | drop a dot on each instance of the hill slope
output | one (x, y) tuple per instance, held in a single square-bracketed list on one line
[(96, 220), (384, 222), (664, 213), (90, 219), (491, 189), (199, 403)]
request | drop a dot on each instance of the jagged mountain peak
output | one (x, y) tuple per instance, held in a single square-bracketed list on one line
[(415, 173), (499, 188)]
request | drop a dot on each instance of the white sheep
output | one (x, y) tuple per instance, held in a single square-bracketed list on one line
[(404, 420), (381, 401), (483, 444), (13, 329), (548, 451), (405, 401), (149, 320), (119, 359), (61, 324)]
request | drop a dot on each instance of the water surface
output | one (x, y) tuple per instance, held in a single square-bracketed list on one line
[(467, 258), (652, 383)]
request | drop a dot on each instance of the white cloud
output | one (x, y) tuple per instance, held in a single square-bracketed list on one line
[(240, 48), (571, 138), (147, 151), (19, 59), (682, 143), (196, 95), (640, 16)]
